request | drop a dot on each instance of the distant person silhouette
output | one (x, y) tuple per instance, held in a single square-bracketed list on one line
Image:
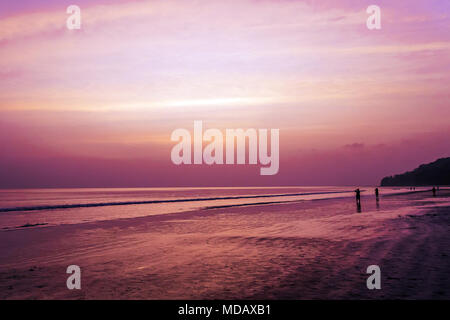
[(377, 198), (358, 197), (434, 191)]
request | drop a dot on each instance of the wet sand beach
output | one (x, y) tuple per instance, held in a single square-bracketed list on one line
[(315, 249)]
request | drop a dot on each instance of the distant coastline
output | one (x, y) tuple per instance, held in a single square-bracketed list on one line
[(436, 173)]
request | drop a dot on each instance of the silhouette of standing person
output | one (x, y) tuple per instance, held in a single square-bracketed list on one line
[(358, 200), (358, 196), (434, 191), (377, 198)]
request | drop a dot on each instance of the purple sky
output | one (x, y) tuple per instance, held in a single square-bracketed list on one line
[(96, 107)]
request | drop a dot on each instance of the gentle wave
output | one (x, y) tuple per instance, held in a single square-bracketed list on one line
[(124, 203)]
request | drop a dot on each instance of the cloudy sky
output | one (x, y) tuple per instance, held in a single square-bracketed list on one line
[(96, 107)]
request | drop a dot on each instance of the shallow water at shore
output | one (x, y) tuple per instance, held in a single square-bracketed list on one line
[(292, 250), (43, 207)]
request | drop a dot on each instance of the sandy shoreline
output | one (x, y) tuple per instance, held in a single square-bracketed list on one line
[(303, 250)]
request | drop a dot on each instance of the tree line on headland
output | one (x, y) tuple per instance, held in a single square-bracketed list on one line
[(436, 173)]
